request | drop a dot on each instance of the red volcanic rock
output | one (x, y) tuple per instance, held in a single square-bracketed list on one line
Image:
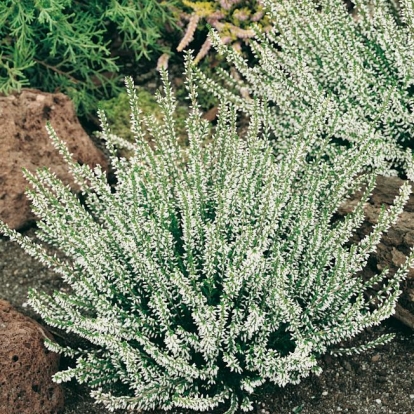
[(24, 142), (26, 366)]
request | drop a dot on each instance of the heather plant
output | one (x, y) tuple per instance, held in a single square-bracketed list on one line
[(210, 270), (117, 113), (361, 61), (66, 45)]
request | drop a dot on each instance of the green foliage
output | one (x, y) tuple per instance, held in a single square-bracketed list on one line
[(66, 45), (362, 62), (212, 269)]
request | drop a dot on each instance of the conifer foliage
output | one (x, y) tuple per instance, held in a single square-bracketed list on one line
[(71, 46), (208, 271)]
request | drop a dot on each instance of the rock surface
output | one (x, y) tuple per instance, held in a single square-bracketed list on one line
[(26, 366), (24, 142), (394, 245)]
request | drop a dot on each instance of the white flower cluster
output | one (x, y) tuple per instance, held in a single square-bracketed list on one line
[(362, 62), (209, 271)]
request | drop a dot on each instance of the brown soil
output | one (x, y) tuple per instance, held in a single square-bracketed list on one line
[(379, 381)]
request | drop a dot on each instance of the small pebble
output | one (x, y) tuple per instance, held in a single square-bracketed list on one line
[(378, 401), (325, 393), (375, 358), (347, 366)]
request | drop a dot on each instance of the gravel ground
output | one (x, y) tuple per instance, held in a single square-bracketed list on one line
[(379, 381)]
